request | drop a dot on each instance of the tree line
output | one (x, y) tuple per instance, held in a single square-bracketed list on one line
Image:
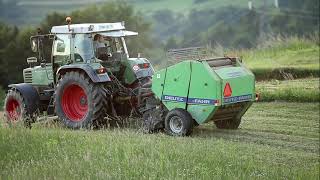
[(230, 27), (236, 27), (15, 42)]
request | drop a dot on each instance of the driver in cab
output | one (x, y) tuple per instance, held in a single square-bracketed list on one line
[(101, 50)]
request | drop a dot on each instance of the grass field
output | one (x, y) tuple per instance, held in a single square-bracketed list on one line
[(291, 53), (299, 90), (283, 58), (275, 141)]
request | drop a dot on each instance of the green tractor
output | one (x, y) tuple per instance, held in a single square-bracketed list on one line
[(83, 74)]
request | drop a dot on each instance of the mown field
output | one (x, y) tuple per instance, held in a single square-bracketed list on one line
[(275, 141)]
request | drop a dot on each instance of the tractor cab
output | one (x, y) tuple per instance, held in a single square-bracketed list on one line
[(89, 43)]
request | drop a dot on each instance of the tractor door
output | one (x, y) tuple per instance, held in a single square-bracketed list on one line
[(40, 75), (61, 50), (61, 53)]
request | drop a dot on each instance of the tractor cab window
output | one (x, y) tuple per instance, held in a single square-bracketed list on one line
[(45, 43), (83, 50), (107, 48), (61, 49)]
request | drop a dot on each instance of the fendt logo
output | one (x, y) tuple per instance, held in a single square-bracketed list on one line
[(227, 92)]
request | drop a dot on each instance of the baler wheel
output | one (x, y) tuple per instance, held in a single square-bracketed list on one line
[(16, 109), (80, 103), (228, 124), (178, 122)]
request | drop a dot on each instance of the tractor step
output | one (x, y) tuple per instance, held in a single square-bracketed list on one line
[(50, 109)]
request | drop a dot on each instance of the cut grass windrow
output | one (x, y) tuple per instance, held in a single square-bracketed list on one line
[(299, 90)]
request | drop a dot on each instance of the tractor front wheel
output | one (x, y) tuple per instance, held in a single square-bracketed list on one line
[(16, 109), (79, 103), (178, 122), (228, 124)]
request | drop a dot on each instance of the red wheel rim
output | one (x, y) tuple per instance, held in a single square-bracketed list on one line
[(74, 102), (13, 109)]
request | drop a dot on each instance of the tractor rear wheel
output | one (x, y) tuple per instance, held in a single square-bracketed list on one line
[(178, 122), (16, 109), (228, 124), (80, 103)]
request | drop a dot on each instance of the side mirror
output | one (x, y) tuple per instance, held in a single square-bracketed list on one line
[(34, 44), (32, 60)]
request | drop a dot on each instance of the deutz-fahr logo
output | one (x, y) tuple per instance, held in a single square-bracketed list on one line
[(90, 28), (174, 98)]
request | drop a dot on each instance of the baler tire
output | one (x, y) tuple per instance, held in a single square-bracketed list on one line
[(89, 99), (228, 124), (186, 119), (14, 101)]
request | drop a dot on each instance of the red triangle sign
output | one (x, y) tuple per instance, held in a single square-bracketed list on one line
[(227, 92)]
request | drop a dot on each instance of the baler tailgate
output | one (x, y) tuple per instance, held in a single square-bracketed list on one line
[(231, 111)]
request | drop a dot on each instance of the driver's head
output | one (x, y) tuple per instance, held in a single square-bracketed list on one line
[(99, 38)]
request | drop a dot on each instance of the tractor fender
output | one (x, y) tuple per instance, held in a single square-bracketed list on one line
[(96, 78), (29, 94)]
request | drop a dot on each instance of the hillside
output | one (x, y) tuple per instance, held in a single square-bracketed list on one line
[(284, 53), (283, 58), (36, 10), (188, 22)]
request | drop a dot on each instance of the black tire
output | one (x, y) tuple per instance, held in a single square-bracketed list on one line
[(153, 121), (92, 105), (185, 125), (228, 124), (16, 109)]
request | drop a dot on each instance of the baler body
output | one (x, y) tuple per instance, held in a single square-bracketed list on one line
[(214, 89)]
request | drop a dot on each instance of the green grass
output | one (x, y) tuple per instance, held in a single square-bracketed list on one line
[(284, 53), (280, 58), (275, 141), (299, 90)]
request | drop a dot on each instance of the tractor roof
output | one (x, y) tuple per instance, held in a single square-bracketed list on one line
[(87, 28), (119, 33)]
